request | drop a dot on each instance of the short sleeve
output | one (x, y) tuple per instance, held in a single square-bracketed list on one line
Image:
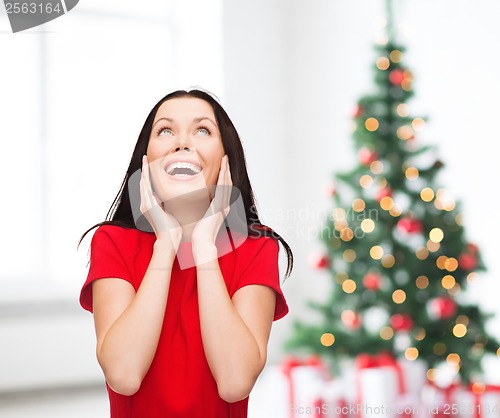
[(263, 269), (106, 261)]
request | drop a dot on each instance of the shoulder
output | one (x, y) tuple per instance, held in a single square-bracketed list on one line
[(118, 233), (120, 237), (251, 245)]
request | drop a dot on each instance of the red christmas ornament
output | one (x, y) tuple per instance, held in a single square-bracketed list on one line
[(409, 225), (441, 307), (367, 156), (467, 261), (319, 261), (358, 111), (472, 248), (351, 319), (396, 76), (384, 192), (401, 322), (330, 191), (372, 281)]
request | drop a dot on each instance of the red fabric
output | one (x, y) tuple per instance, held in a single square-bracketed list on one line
[(179, 383)]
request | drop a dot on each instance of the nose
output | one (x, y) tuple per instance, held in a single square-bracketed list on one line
[(182, 144)]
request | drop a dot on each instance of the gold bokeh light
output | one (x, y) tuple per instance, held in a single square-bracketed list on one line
[(327, 339), (371, 124), (436, 235), (376, 252), (349, 286)]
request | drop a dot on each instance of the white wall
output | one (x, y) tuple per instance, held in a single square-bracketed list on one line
[(294, 71)]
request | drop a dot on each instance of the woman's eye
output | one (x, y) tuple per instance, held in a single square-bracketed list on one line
[(164, 131), (203, 131)]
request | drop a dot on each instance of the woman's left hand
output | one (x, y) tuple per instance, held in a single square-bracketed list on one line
[(206, 229)]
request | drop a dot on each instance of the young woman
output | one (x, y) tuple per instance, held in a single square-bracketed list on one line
[(182, 284)]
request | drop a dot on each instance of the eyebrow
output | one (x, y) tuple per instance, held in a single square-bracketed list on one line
[(195, 120)]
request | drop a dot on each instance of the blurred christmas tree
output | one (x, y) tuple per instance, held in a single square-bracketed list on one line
[(397, 252)]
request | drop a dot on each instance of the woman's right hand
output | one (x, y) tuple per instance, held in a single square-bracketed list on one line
[(165, 225)]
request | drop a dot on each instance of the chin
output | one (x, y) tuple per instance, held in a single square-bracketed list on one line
[(184, 193)]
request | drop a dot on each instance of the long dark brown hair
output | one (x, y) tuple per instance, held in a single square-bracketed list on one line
[(120, 213)]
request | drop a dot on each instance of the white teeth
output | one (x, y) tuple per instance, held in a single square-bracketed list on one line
[(170, 168)]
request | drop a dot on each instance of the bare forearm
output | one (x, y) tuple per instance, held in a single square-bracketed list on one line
[(231, 349), (130, 344)]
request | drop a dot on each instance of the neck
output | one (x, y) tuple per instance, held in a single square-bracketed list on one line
[(188, 210)]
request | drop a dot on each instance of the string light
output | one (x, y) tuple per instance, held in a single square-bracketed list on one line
[(396, 56), (358, 205), (427, 194), (349, 286), (433, 246), (478, 388), (346, 234), (422, 282), (365, 181), (399, 296), (376, 252), (349, 256), (453, 358), (388, 261), (418, 124), (419, 334), (382, 63), (341, 277), (395, 211), (436, 235), (405, 132), (472, 277), (448, 281), (403, 110), (327, 339), (422, 253), (455, 290), (459, 330), (440, 262), (451, 264), (411, 173), (377, 167), (406, 83), (411, 353), (386, 203), (367, 225), (371, 124), (386, 333)]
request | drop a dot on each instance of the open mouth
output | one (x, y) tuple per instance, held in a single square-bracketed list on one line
[(183, 169)]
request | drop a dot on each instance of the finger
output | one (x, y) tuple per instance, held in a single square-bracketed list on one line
[(147, 181), (229, 171)]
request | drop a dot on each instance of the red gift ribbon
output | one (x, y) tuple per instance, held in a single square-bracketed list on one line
[(479, 394), (383, 359), (447, 391), (288, 365)]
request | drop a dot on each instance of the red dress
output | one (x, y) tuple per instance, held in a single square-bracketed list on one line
[(179, 383)]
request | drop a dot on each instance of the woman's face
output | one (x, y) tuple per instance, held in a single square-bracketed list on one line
[(185, 148)]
